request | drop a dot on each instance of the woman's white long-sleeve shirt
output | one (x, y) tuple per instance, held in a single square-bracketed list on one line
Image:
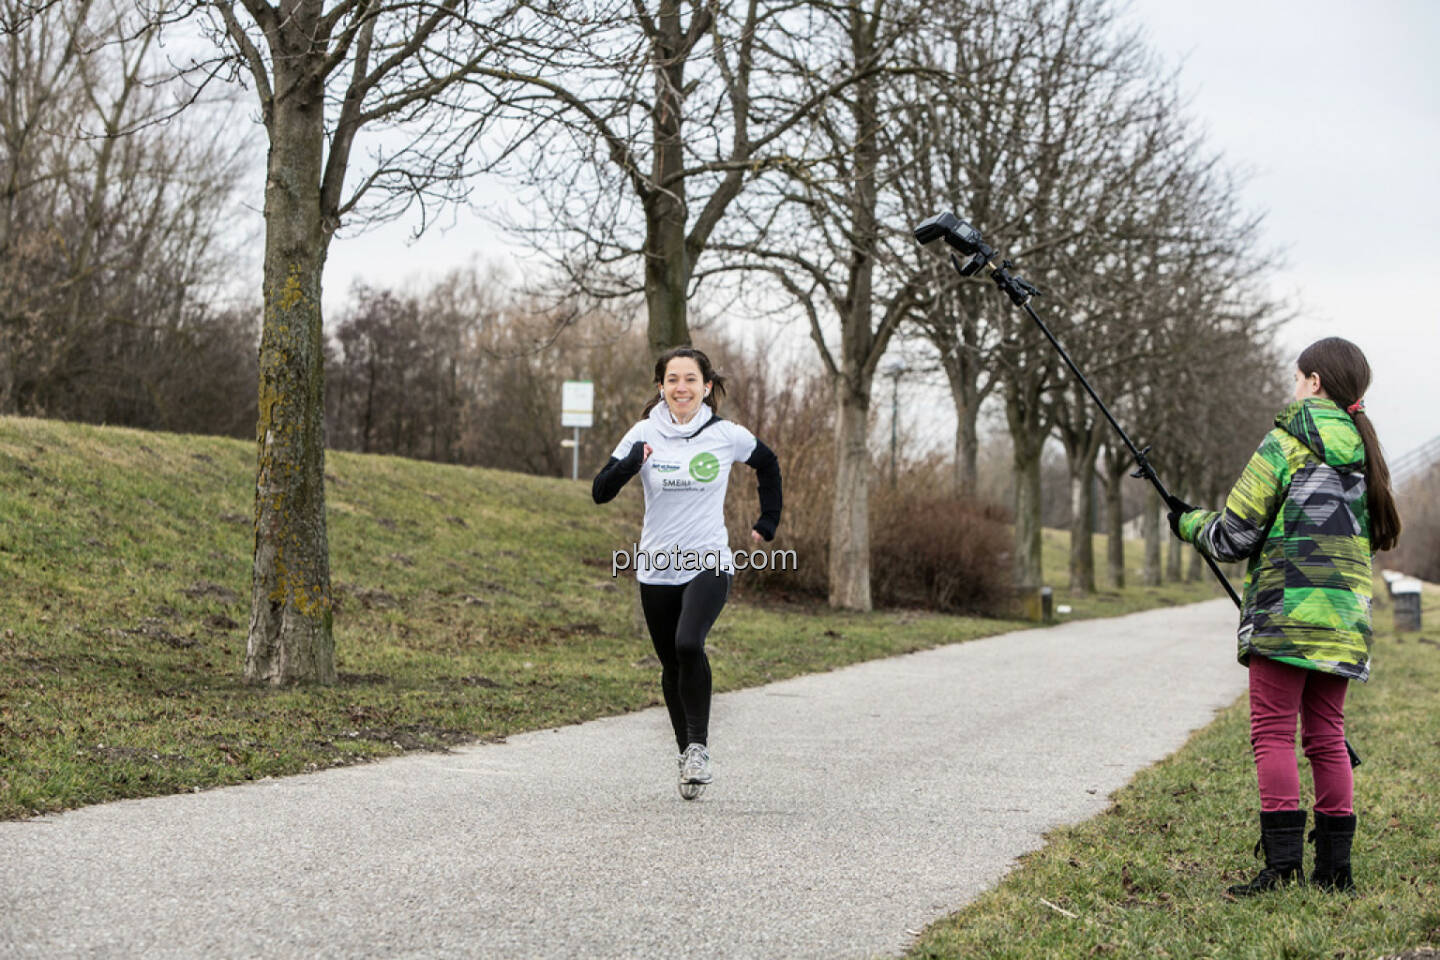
[(685, 479)]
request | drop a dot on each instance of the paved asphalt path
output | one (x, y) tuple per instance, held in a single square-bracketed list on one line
[(850, 809)]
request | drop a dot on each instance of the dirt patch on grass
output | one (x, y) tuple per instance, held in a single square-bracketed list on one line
[(205, 590), (587, 629), (360, 679), (405, 736), (371, 598), (417, 736), (153, 628), (56, 665)]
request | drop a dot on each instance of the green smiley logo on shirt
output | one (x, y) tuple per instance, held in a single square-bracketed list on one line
[(705, 467)]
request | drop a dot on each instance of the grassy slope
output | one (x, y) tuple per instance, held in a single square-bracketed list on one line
[(473, 604), (1145, 879)]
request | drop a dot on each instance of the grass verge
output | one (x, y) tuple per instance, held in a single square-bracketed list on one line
[(472, 604), (1146, 878)]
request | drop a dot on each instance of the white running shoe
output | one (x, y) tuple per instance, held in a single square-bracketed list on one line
[(695, 764)]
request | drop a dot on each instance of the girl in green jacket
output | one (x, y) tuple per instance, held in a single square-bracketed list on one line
[(1312, 506)]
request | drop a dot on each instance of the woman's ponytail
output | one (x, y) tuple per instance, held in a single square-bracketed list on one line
[(1345, 376), (1384, 518)]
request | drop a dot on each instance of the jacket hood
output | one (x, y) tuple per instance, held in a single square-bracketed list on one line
[(1326, 429), (670, 430)]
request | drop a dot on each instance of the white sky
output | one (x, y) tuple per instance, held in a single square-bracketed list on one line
[(1333, 107)]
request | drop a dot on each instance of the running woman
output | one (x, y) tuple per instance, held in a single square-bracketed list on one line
[(683, 450), (1309, 511)]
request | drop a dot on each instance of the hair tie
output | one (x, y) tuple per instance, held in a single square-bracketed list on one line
[(1357, 407)]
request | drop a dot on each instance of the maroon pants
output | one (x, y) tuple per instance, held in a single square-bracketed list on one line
[(1278, 693)]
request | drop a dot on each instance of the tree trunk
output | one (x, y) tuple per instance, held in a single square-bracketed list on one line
[(1082, 533), (667, 254), (291, 638), (1026, 419), (860, 346), (1028, 537), (965, 477), (1194, 572), (1152, 527), (1115, 524), (1081, 456), (667, 275), (1173, 558), (850, 515)]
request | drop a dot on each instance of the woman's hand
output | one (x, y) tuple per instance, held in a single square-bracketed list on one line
[(648, 450), (755, 535)]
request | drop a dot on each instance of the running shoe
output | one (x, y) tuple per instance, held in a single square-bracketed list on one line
[(695, 764)]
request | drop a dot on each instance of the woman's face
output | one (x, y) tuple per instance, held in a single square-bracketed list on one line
[(1307, 386), (683, 388)]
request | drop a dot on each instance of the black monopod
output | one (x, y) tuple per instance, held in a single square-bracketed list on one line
[(967, 240)]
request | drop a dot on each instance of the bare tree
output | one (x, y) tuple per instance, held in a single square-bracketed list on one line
[(1033, 149), (468, 370), (1069, 150), (327, 77), (643, 124), (1076, 103), (113, 239), (955, 117), (831, 232)]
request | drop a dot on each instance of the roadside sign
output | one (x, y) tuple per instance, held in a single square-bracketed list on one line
[(577, 403)]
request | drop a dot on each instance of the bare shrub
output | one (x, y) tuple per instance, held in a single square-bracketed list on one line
[(941, 553), (1418, 551)]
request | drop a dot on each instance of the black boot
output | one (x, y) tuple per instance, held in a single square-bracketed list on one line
[(1282, 835), (1332, 836)]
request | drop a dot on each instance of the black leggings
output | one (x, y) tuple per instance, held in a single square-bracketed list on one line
[(679, 616)]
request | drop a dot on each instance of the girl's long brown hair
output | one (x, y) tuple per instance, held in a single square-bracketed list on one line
[(707, 375), (1345, 376)]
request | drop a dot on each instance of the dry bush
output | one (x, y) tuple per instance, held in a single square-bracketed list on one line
[(939, 553), (929, 548)]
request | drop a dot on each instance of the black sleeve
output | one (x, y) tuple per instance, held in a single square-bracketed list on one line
[(767, 481), (616, 473)]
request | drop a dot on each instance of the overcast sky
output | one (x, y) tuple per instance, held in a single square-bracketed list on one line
[(1334, 109)]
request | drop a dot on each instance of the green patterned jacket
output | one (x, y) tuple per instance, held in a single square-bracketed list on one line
[(1299, 515)]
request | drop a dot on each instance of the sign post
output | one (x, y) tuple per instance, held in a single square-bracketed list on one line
[(577, 410)]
